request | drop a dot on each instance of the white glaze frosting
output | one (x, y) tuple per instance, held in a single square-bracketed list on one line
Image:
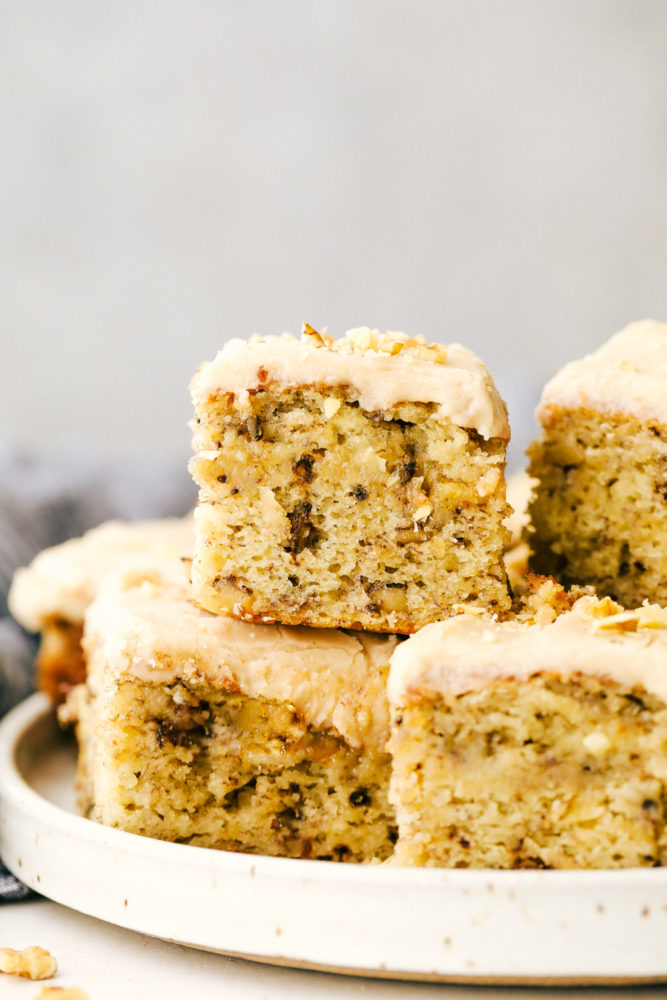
[(144, 625), (451, 376), (61, 581), (468, 652), (627, 375)]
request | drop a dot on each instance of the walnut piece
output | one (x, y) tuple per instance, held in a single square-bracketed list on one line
[(609, 617), (31, 963), (61, 993), (606, 608), (363, 339), (319, 339)]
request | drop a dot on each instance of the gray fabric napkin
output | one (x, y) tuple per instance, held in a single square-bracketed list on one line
[(11, 890), (45, 500)]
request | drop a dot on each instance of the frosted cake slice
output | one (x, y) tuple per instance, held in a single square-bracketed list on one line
[(205, 730), (51, 595), (352, 483), (533, 746), (600, 507)]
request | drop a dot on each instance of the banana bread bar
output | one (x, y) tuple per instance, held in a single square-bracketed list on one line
[(600, 508), (209, 731), (520, 745), (51, 595), (355, 483)]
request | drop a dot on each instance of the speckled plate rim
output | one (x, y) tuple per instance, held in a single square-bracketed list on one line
[(526, 927)]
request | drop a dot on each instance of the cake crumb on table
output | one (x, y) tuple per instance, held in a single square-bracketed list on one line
[(31, 963)]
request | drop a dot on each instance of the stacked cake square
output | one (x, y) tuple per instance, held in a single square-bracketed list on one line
[(235, 689), (355, 483)]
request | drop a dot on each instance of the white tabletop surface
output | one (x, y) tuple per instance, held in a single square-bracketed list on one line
[(110, 963)]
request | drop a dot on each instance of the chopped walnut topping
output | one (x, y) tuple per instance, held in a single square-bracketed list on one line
[(604, 608), (611, 617), (392, 343), (625, 621), (651, 616), (320, 339), (431, 352), (31, 963), (363, 339)]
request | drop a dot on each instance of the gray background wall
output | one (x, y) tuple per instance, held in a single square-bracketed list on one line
[(178, 173)]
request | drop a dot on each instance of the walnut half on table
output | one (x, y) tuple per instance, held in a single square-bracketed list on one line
[(31, 963), (61, 993)]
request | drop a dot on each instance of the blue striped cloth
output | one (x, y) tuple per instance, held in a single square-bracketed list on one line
[(44, 501)]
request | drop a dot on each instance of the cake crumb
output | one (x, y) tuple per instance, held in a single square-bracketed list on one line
[(31, 963)]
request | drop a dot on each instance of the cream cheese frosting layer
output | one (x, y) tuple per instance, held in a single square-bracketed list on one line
[(61, 581), (145, 626), (382, 369), (597, 638), (627, 375)]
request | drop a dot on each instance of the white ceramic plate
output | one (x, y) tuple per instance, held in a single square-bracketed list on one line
[(471, 926)]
